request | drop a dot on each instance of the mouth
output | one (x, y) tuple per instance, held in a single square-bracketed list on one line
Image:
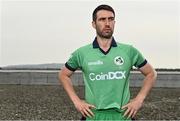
[(107, 30)]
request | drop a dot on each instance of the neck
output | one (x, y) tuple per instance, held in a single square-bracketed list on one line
[(104, 43)]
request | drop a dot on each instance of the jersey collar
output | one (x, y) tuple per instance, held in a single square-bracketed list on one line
[(96, 45)]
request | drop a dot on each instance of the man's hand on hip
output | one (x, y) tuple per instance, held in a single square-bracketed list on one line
[(132, 107), (84, 108)]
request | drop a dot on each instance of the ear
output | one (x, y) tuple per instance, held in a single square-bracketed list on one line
[(94, 24)]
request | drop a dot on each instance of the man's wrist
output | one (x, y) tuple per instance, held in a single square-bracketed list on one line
[(75, 99), (140, 98)]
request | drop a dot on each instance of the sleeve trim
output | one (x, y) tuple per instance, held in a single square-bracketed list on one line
[(142, 64), (69, 67)]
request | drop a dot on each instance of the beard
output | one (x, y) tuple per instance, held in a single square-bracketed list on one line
[(107, 34)]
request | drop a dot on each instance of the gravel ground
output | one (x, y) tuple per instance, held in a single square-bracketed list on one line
[(37, 102)]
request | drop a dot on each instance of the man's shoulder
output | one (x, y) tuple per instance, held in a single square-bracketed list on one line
[(127, 47), (84, 48), (123, 45)]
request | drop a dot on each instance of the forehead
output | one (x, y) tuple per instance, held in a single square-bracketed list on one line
[(104, 13)]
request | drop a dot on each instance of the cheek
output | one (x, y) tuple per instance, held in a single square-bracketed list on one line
[(113, 24), (99, 27)]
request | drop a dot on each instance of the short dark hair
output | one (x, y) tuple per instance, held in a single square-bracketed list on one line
[(102, 7)]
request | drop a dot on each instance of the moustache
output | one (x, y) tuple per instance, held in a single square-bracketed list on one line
[(107, 29)]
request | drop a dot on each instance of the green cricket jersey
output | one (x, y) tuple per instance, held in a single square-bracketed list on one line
[(106, 74)]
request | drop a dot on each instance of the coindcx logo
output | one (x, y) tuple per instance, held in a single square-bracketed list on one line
[(108, 76)]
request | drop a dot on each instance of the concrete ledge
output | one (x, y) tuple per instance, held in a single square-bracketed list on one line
[(50, 77), (28, 77)]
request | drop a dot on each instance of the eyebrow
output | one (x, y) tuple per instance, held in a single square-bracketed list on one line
[(103, 18)]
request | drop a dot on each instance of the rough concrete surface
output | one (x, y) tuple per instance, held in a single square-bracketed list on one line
[(42, 102)]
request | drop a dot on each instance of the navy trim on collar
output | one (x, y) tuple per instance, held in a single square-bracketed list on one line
[(96, 45)]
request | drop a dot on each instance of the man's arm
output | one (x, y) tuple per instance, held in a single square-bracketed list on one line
[(150, 76), (81, 106)]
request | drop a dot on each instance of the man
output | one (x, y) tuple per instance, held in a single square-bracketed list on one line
[(106, 66)]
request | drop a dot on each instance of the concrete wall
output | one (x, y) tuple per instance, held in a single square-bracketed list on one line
[(50, 77)]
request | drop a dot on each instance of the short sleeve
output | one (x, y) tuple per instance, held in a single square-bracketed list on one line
[(138, 59), (73, 62)]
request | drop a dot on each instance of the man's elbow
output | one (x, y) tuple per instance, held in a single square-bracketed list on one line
[(153, 76), (60, 75)]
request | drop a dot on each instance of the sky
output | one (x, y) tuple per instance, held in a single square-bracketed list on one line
[(44, 31)]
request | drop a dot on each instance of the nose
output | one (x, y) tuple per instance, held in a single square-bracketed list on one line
[(107, 22)]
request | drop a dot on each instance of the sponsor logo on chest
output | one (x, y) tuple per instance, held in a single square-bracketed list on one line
[(98, 62), (108, 76)]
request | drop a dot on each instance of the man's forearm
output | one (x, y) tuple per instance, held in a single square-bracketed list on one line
[(148, 83), (81, 106), (67, 84), (134, 105)]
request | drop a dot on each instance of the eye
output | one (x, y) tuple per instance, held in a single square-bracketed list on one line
[(111, 18), (102, 19)]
